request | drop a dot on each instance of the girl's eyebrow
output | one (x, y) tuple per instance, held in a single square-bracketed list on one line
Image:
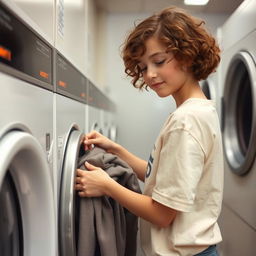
[(155, 54), (152, 56)]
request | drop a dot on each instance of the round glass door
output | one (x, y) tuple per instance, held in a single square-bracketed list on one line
[(239, 118), (11, 240), (206, 89), (96, 127)]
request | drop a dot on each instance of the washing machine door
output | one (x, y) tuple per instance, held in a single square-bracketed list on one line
[(67, 207), (208, 89), (239, 113), (26, 197), (96, 127), (112, 133), (11, 238)]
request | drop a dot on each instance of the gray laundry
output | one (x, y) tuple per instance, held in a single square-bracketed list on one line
[(105, 227)]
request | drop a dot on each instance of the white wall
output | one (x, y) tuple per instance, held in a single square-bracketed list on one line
[(140, 115)]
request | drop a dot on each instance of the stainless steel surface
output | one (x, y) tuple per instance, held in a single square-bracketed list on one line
[(237, 87), (23, 157), (25, 154), (209, 87), (96, 127), (95, 121), (69, 116), (238, 237), (240, 113), (67, 195)]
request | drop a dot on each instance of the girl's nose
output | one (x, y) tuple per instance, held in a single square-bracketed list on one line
[(151, 72)]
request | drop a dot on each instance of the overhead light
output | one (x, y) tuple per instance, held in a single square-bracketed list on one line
[(196, 2)]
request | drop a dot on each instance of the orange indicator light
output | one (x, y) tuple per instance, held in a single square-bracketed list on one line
[(83, 95), (5, 53), (44, 74), (62, 84)]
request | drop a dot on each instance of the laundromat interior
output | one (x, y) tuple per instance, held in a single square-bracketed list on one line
[(62, 76)]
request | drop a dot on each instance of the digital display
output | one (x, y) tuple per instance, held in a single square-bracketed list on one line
[(22, 49), (97, 98), (69, 81), (5, 53)]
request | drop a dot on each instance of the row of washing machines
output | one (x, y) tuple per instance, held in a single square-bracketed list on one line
[(46, 107), (233, 87)]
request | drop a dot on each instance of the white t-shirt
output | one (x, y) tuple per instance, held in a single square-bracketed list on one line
[(185, 172)]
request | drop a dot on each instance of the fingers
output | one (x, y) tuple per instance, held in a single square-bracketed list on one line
[(82, 193), (90, 139), (79, 173), (90, 167), (80, 183), (88, 144), (80, 179), (92, 135), (79, 187)]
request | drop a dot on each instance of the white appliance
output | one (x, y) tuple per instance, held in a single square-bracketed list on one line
[(72, 31), (238, 90), (106, 109), (111, 121), (209, 87), (41, 12), (27, 216), (95, 109), (69, 128)]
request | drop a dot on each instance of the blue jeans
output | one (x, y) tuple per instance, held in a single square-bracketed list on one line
[(210, 251)]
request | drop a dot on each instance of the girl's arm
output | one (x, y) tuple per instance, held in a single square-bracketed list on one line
[(138, 165), (96, 182)]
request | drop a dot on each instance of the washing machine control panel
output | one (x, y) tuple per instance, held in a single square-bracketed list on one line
[(97, 98), (23, 53), (70, 81)]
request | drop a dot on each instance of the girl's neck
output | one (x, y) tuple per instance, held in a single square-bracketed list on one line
[(192, 90)]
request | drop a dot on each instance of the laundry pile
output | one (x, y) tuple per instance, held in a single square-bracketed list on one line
[(104, 227)]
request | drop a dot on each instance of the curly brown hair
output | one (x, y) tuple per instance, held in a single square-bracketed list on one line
[(183, 35)]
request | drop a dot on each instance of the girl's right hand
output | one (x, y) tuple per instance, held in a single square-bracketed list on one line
[(96, 138)]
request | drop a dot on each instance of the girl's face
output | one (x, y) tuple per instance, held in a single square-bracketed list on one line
[(162, 72)]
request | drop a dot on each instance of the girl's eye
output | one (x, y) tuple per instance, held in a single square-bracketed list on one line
[(160, 62), (143, 69)]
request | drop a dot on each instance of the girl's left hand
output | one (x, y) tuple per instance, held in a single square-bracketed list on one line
[(92, 183)]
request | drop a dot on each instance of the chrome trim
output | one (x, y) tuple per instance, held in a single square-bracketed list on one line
[(240, 162), (23, 156), (67, 195)]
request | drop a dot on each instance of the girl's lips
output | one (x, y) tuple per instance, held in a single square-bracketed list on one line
[(156, 85)]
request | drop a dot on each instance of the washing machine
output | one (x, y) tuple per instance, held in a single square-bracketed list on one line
[(69, 128), (104, 113), (106, 118), (27, 216), (95, 109), (72, 31), (209, 87), (238, 91), (111, 121), (42, 13)]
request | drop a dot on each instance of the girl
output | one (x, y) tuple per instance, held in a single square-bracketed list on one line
[(170, 52)]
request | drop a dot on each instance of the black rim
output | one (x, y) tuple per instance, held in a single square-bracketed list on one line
[(11, 231)]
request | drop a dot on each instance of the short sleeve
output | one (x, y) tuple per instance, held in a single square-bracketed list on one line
[(179, 171)]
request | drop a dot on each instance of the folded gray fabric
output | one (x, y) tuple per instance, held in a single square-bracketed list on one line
[(105, 227)]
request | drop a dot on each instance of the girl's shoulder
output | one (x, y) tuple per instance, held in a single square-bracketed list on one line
[(193, 112)]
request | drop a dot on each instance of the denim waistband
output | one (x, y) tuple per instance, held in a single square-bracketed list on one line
[(208, 251)]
